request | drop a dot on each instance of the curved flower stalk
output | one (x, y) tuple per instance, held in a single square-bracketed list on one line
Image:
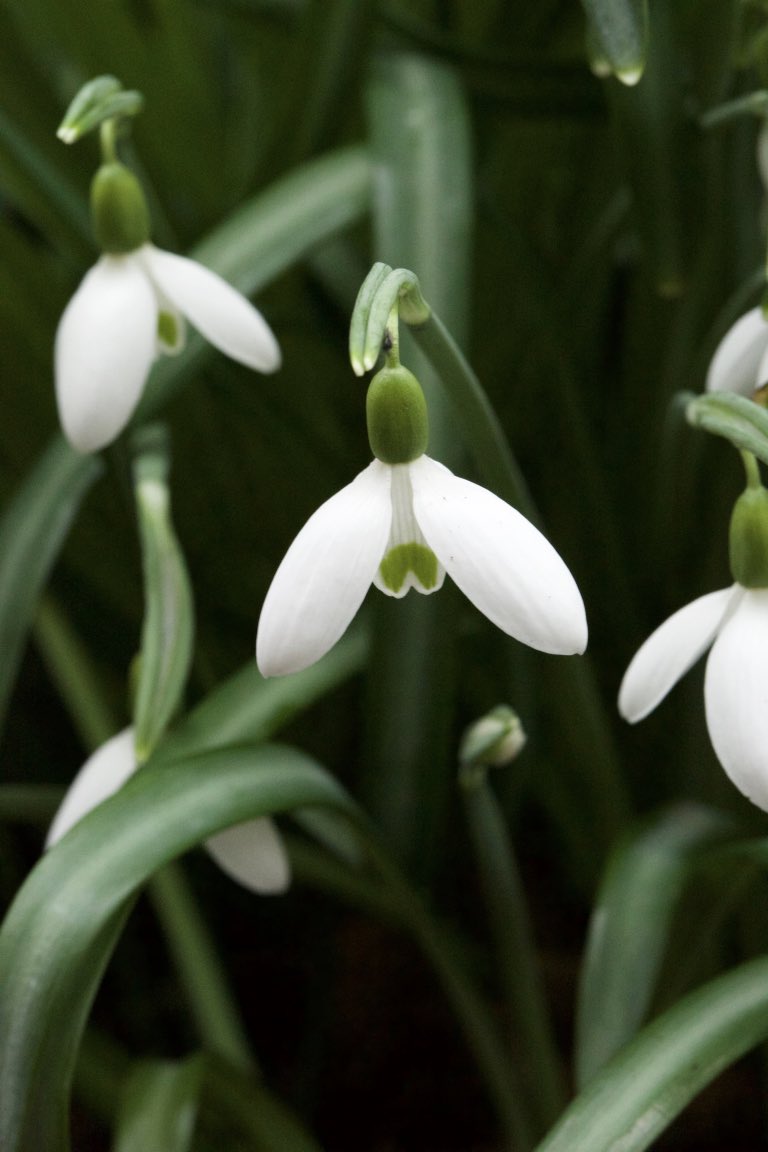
[(251, 853), (131, 306), (403, 523), (734, 622), (740, 361)]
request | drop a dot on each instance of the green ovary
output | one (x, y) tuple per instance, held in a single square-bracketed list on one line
[(405, 558)]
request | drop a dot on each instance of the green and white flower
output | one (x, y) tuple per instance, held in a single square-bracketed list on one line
[(402, 526), (740, 362), (129, 308), (251, 853), (734, 621)]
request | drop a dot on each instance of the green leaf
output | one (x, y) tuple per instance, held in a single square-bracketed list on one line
[(650, 1081), (630, 926), (621, 30), (737, 418), (159, 1106), (60, 931), (166, 640), (32, 531)]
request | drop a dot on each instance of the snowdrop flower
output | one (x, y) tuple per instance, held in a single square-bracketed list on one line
[(252, 852), (734, 622), (740, 362), (129, 308), (403, 523)]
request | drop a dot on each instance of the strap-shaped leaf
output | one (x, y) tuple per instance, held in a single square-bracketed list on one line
[(621, 30), (630, 927), (60, 931), (159, 1106), (32, 531), (640, 1092)]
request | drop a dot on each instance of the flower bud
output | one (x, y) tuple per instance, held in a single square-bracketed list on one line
[(495, 739), (119, 210), (396, 411), (749, 538)]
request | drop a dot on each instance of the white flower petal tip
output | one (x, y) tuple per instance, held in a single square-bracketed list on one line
[(99, 778), (671, 650), (736, 696), (253, 854), (217, 310), (325, 574), (504, 565), (736, 364), (105, 345)]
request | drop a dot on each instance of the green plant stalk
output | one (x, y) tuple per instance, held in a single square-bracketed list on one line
[(480, 425), (650, 1081), (520, 976), (199, 967), (76, 679), (476, 1021)]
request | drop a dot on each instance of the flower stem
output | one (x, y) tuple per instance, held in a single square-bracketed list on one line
[(199, 967), (752, 469), (479, 1028), (542, 1076)]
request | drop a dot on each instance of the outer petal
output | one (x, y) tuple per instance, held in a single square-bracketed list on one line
[(671, 650), (105, 345), (102, 774), (216, 309), (325, 575), (253, 854), (499, 560), (734, 366), (736, 696)]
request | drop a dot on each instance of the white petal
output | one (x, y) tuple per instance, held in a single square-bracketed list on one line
[(736, 696), (499, 560), (253, 854), (734, 366), (105, 345), (671, 650), (325, 575), (102, 774), (215, 308)]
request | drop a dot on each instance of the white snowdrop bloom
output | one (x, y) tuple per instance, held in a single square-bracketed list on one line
[(740, 362), (734, 621), (252, 852), (402, 526), (127, 309)]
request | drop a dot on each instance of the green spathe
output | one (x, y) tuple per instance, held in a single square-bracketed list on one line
[(749, 539), (120, 216), (405, 558), (396, 411)]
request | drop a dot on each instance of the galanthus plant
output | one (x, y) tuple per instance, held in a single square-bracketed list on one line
[(740, 362), (131, 306), (734, 622), (251, 853), (403, 523)]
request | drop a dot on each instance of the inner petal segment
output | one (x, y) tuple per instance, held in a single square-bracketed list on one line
[(408, 562)]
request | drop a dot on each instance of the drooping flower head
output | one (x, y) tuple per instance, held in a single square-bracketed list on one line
[(251, 853), (734, 622), (740, 361), (130, 307), (403, 523)]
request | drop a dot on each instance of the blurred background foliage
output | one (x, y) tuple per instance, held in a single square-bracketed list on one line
[(606, 241)]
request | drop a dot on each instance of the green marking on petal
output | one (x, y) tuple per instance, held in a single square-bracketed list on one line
[(405, 558), (169, 332)]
